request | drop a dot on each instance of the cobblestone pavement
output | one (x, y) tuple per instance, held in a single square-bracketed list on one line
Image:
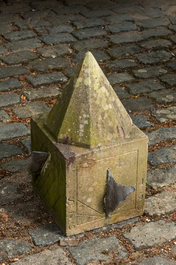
[(41, 43)]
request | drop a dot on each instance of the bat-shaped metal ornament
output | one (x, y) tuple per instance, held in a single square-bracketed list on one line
[(37, 161), (115, 194)]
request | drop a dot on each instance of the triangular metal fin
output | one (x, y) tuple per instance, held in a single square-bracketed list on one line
[(115, 194), (37, 161)]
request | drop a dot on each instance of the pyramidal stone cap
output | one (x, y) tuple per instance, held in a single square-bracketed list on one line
[(88, 113)]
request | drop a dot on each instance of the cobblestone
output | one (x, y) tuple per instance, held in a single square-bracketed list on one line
[(169, 79), (165, 114), (46, 235), (91, 250), (13, 130), (88, 23), (121, 92), (156, 44), (2, 50), (121, 27), (59, 29), (5, 28), (13, 71), (154, 57), (32, 23), (57, 38), (164, 96), (8, 150), (150, 72), (144, 87), (53, 256), (161, 134), (45, 79), (119, 18), (19, 35), (18, 57), (14, 248), (172, 65), (97, 13), (9, 99), (31, 109), (124, 51), (119, 65), (136, 104), (162, 156), (8, 192), (99, 56), (158, 178), (86, 45), (54, 51), (151, 23), (119, 78), (23, 45), (89, 33), (141, 121), (156, 260), (9, 84), (161, 203), (27, 144), (41, 93), (4, 116), (20, 165), (48, 64), (148, 235)]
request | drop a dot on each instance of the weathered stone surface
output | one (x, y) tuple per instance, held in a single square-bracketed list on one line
[(19, 35), (97, 13), (23, 44), (59, 29), (116, 225), (151, 23), (20, 165), (119, 78), (8, 18), (14, 247), (88, 23), (156, 261), (161, 134), (159, 157), (169, 79), (31, 109), (149, 13), (165, 114), (156, 32), (54, 257), (99, 56), (164, 96), (38, 14), (57, 20), (13, 71), (45, 79), (46, 235), (136, 104), (121, 92), (156, 44), (154, 4), (18, 7), (148, 235), (154, 57), (161, 203), (33, 94), (124, 51), (48, 64), (12, 130), (121, 27), (5, 28), (144, 87), (27, 143), (57, 38), (72, 242), (172, 65), (150, 72), (158, 177), (126, 37), (172, 19), (8, 150), (9, 84), (118, 18), (32, 23), (173, 251), (124, 64), (141, 121), (54, 51), (127, 9), (91, 250), (86, 45), (2, 50), (19, 57), (8, 192), (9, 99), (89, 33), (4, 116), (3, 255)]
